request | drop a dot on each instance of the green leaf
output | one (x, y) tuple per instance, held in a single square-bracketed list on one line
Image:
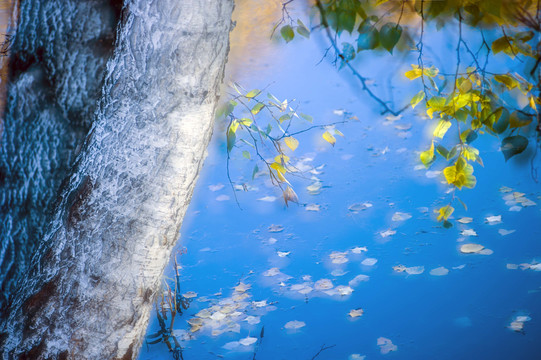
[(302, 29), (509, 81), (346, 21), (502, 123), (417, 98), (368, 36), (427, 157), (348, 51), (284, 118), (255, 171), (306, 117), (231, 137), (500, 44), (253, 93), (442, 128), (513, 145), (389, 35), (443, 151), (246, 154), (519, 119), (287, 33), (257, 108)]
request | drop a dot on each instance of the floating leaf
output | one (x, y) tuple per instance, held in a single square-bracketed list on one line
[(246, 154), (471, 248), (444, 212), (356, 313), (294, 325), (439, 271)]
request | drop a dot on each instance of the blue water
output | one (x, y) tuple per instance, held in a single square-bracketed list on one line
[(465, 314)]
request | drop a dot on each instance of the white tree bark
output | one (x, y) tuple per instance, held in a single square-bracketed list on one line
[(102, 258)]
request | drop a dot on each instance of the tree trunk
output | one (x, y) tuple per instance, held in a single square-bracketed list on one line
[(102, 257), (59, 57)]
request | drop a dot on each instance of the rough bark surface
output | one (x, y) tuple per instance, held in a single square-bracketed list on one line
[(57, 68), (103, 255)]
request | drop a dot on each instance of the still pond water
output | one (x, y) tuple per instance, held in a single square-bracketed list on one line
[(359, 269)]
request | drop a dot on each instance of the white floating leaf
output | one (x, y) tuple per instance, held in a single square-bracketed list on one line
[(386, 345), (312, 207), (276, 228), (216, 187), (283, 253), (339, 272), (247, 341), (387, 233), (465, 220), (400, 216), (504, 232), (471, 248), (439, 271), (231, 345), (369, 261), (491, 220), (468, 232), (415, 270), (356, 313), (344, 290), (359, 249), (267, 198), (253, 320), (323, 284), (294, 325), (358, 279), (272, 272), (359, 207)]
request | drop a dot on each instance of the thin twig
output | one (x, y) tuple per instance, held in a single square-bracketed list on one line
[(361, 78), (323, 348)]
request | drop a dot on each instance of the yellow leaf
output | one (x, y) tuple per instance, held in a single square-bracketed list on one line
[(245, 121), (282, 159), (291, 142), (278, 167), (445, 212), (329, 138), (428, 157), (442, 128), (338, 132), (413, 74), (532, 103)]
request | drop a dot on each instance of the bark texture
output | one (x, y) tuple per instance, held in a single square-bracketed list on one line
[(59, 55), (102, 256)]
